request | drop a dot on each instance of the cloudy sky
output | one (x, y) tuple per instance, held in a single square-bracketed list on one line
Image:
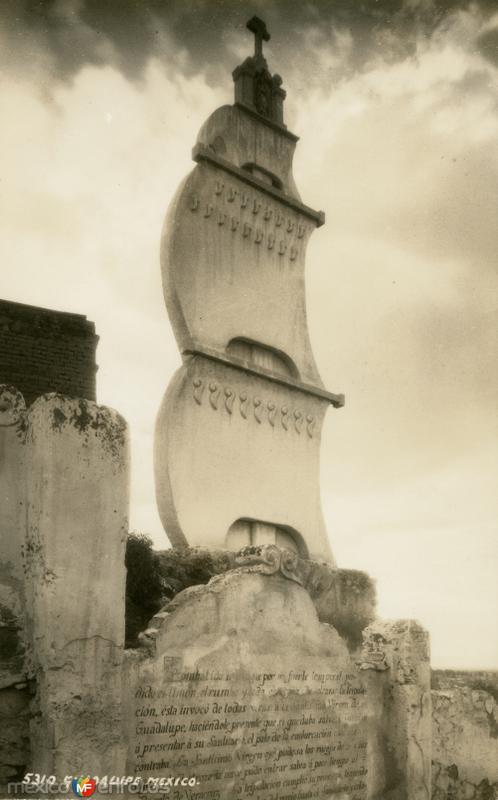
[(396, 104)]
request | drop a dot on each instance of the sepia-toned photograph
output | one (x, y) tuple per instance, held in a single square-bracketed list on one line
[(248, 399)]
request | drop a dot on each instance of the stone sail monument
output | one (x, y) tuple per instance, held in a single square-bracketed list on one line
[(238, 433)]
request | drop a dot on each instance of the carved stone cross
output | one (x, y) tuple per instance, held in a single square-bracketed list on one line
[(258, 27)]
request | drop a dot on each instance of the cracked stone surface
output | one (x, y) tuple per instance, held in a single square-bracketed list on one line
[(77, 522), (465, 741), (14, 696), (395, 662)]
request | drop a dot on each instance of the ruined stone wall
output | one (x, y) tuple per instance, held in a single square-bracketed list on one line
[(465, 735), (14, 694), (46, 351), (63, 525)]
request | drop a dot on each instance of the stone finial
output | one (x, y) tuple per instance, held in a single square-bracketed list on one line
[(258, 27), (255, 87)]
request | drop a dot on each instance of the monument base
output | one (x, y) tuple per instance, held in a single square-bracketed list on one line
[(240, 688)]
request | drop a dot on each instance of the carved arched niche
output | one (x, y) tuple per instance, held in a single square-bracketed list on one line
[(246, 532), (260, 355)]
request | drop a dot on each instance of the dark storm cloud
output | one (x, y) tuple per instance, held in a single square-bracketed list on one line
[(73, 33), (488, 45)]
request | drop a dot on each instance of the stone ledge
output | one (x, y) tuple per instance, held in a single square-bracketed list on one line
[(196, 349), (202, 153)]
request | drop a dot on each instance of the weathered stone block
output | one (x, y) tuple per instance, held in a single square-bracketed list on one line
[(240, 687), (465, 739), (395, 660), (14, 694), (12, 532), (76, 529)]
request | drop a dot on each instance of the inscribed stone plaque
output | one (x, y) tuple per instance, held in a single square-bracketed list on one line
[(250, 695)]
